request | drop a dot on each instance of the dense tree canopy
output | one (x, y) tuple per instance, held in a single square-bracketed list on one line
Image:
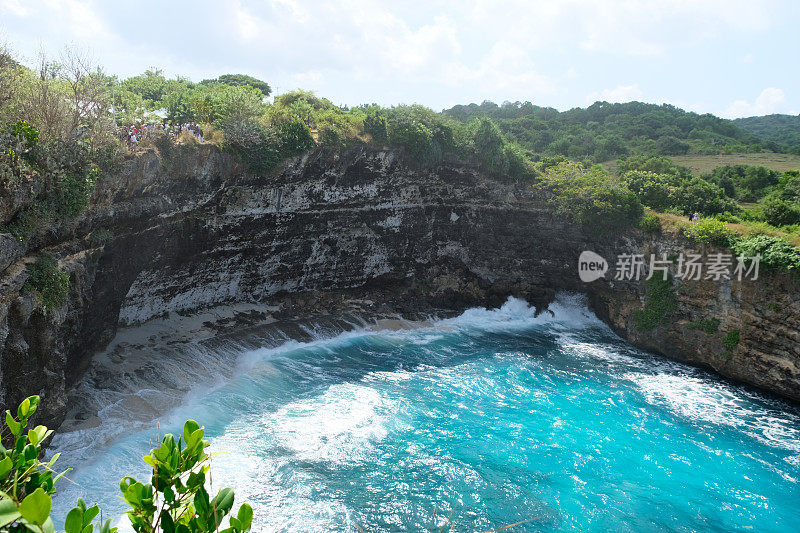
[(605, 131), (237, 80), (780, 132)]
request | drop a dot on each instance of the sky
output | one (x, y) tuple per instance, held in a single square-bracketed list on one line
[(733, 58)]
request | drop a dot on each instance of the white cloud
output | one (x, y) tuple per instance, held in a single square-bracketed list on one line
[(15, 7), (621, 93), (247, 24), (769, 101), (748, 58), (429, 51)]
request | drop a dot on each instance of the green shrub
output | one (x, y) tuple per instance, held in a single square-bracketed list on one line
[(731, 340), (415, 137), (73, 191), (26, 132), (779, 212), (336, 128), (519, 166), (489, 144), (775, 253), (654, 190), (590, 196), (659, 304), (48, 282), (100, 236), (295, 138), (707, 325), (254, 143), (650, 224), (699, 195), (174, 501), (27, 484), (375, 124), (24, 224), (728, 217), (708, 231)]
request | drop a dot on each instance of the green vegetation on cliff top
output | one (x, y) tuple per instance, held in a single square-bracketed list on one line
[(57, 129)]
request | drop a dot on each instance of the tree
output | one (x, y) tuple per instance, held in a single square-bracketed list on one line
[(238, 80), (489, 145), (88, 89), (175, 500), (670, 145), (702, 196), (779, 212), (150, 85), (654, 190), (590, 196), (178, 104), (212, 103)]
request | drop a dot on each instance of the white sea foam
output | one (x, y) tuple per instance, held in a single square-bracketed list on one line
[(568, 311), (341, 425), (703, 400)]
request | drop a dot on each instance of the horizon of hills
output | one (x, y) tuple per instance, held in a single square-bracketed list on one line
[(605, 131)]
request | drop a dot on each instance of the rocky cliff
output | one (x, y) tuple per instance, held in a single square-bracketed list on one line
[(193, 229)]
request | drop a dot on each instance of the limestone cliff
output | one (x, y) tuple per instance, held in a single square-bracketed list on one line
[(194, 229)]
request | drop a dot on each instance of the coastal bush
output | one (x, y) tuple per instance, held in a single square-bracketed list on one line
[(590, 196), (706, 325), (779, 212), (24, 224), (776, 253), (73, 190), (731, 340), (254, 143), (48, 282), (699, 195), (28, 484), (294, 137), (375, 125), (708, 231), (18, 143), (659, 304), (100, 236), (654, 190), (650, 224), (174, 501), (415, 137), (489, 144)]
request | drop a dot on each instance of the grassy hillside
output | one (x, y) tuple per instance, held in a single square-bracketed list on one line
[(780, 132), (702, 164)]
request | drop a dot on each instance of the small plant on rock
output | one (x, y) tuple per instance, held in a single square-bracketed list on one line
[(48, 282)]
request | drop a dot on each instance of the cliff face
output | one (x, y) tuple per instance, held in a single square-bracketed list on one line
[(192, 230)]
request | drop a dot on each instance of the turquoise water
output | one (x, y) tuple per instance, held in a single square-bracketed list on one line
[(490, 418)]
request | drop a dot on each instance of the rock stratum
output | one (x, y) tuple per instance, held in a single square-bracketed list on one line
[(194, 229)]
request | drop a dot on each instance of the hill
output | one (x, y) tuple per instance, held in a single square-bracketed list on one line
[(780, 132), (605, 131)]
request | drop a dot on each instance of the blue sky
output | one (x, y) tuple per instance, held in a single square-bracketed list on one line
[(728, 57)]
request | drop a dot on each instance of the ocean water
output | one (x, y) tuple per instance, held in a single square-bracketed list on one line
[(480, 421)]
